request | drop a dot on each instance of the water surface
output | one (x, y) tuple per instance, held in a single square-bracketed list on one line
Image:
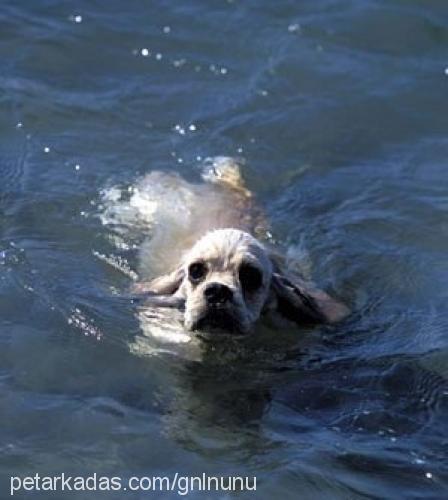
[(339, 109)]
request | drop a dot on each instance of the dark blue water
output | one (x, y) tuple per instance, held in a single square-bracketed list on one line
[(340, 110)]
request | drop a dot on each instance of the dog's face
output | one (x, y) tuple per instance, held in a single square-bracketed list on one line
[(227, 279)]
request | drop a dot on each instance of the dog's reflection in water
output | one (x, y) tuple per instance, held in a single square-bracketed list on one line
[(220, 388), (219, 402)]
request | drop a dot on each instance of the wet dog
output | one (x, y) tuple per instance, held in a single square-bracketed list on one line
[(225, 275)]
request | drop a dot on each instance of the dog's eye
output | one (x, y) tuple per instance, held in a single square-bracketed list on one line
[(197, 271), (251, 278)]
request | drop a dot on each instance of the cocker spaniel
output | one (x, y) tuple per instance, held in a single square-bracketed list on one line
[(226, 277)]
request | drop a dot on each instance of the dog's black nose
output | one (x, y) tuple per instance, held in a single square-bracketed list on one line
[(216, 293)]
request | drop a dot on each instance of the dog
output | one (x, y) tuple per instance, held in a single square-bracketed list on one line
[(228, 276)]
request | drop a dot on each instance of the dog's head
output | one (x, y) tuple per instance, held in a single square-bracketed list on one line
[(227, 279)]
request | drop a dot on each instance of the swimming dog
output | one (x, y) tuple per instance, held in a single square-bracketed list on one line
[(225, 273)]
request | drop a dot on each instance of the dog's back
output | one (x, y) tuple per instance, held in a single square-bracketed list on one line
[(180, 212)]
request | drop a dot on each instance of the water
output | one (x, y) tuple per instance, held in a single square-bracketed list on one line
[(339, 110)]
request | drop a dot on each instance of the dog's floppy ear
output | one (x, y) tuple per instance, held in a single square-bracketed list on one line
[(301, 302), (167, 284)]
